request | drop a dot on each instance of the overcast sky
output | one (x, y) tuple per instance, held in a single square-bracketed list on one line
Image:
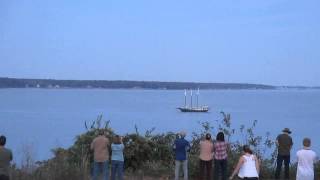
[(273, 42)]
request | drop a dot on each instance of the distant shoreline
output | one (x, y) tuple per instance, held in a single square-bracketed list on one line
[(134, 85)]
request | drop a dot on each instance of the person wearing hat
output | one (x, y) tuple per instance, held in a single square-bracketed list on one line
[(284, 144), (181, 147)]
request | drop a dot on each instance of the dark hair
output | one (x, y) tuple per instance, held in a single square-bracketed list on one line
[(208, 136), (247, 149), (116, 139), (101, 131), (220, 136), (306, 142), (3, 140)]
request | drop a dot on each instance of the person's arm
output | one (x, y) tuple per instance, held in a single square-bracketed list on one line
[(174, 145), (291, 144), (316, 158), (236, 170), (257, 164), (92, 145), (188, 147), (11, 156), (277, 141)]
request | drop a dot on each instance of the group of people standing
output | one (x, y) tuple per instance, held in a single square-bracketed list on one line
[(100, 146), (211, 152), (305, 157), (248, 167)]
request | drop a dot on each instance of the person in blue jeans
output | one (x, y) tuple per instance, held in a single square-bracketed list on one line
[(117, 159), (100, 147), (181, 147)]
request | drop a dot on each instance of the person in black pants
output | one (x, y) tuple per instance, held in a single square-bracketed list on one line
[(284, 144)]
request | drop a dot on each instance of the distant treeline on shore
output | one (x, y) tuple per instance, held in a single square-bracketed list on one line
[(119, 84)]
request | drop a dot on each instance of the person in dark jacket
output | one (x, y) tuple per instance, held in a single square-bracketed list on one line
[(284, 144), (5, 158), (181, 147)]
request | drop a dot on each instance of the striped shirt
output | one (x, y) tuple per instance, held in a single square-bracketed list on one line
[(220, 150)]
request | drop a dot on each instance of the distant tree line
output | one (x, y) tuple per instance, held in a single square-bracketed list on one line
[(52, 83)]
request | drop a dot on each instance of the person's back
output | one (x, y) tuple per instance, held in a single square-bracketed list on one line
[(206, 150), (117, 162), (181, 148), (306, 159), (5, 158), (305, 169), (117, 152), (206, 155), (248, 166), (248, 169), (100, 148), (284, 144), (220, 150)]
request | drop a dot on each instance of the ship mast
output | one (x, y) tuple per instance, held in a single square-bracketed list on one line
[(198, 92), (185, 98), (191, 98)]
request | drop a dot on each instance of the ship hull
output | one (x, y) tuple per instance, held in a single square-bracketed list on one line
[(186, 109)]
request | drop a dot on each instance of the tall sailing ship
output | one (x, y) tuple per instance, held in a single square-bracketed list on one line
[(191, 108)]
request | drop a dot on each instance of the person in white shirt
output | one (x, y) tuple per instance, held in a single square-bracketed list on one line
[(248, 166), (306, 159)]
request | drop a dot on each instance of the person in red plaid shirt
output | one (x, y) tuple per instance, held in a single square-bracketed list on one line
[(220, 148)]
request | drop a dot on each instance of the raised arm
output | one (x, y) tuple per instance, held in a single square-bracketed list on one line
[(236, 170)]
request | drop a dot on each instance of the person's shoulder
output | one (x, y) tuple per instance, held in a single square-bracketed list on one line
[(313, 153), (7, 150), (225, 143)]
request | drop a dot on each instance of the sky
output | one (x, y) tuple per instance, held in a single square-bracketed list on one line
[(274, 42)]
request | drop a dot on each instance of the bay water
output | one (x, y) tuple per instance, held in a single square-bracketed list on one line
[(38, 120)]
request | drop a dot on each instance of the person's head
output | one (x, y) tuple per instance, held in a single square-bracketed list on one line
[(3, 140), (208, 136), (246, 149), (101, 132), (306, 142), (220, 136), (183, 134), (117, 139), (286, 131)]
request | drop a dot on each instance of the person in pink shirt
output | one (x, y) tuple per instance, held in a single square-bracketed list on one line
[(100, 147), (220, 148), (206, 156)]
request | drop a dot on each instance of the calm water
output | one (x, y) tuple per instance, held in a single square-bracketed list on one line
[(41, 119)]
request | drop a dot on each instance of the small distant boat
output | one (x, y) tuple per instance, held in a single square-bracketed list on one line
[(191, 108)]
